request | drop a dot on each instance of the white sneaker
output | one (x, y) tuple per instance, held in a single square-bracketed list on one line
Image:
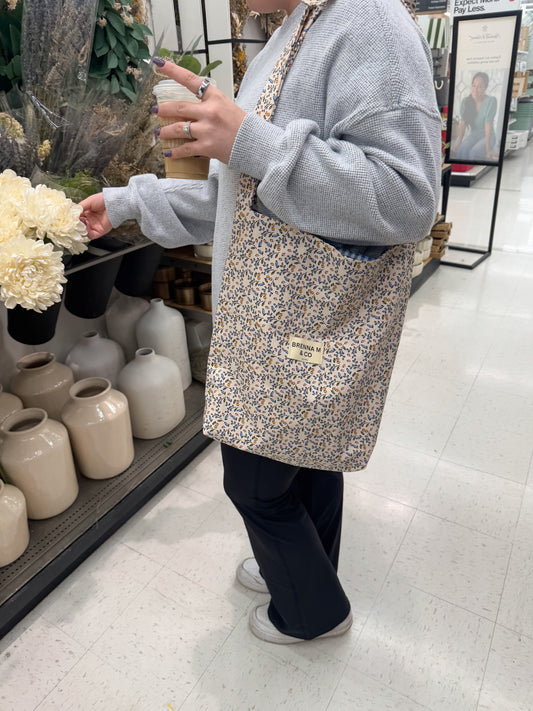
[(263, 628), (248, 575)]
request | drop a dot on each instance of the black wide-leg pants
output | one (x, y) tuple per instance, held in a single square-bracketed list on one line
[(293, 517)]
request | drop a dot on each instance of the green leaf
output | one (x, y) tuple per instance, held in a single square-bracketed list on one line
[(212, 65), (145, 30), (112, 60), (143, 52), (128, 93), (115, 86), (190, 63), (100, 51), (116, 23), (14, 34), (111, 37)]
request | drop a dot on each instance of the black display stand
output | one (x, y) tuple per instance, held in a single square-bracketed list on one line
[(477, 255)]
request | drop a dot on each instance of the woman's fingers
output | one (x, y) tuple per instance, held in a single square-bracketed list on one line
[(183, 76)]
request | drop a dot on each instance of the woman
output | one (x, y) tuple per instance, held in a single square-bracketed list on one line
[(352, 154), (477, 116)]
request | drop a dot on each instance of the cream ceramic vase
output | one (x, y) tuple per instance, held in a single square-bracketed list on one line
[(121, 318), (37, 458), (98, 421), (42, 382), (152, 384), (163, 329), (93, 356), (14, 531), (8, 404)]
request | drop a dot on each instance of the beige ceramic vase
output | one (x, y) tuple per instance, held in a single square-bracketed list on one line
[(36, 456), (14, 531), (42, 382), (8, 404), (98, 421)]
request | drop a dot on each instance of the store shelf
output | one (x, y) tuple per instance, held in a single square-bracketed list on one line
[(60, 544), (184, 257), (191, 310), (470, 176), (104, 249)]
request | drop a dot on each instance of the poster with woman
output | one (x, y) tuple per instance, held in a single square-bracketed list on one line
[(481, 77)]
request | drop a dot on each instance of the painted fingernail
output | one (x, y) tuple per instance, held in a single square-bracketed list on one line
[(154, 109), (157, 131), (167, 154), (158, 61)]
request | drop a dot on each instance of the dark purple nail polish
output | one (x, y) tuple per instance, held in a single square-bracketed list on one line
[(157, 131), (154, 109), (158, 61), (167, 154)]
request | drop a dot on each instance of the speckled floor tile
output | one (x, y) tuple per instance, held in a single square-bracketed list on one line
[(487, 503), (516, 609), (454, 563), (507, 683), (395, 472), (424, 648)]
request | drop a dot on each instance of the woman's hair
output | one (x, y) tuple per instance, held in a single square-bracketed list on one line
[(483, 76)]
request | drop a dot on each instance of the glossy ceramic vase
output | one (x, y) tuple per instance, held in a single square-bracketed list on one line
[(9, 403), (42, 382), (152, 384), (163, 329), (37, 458), (98, 421), (94, 355), (121, 318), (14, 531)]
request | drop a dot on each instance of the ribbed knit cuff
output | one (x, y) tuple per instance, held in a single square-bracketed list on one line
[(257, 144), (120, 205)]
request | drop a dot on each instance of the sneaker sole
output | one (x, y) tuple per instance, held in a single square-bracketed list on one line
[(277, 637)]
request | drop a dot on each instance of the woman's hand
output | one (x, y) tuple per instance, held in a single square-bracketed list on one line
[(94, 216), (214, 122)]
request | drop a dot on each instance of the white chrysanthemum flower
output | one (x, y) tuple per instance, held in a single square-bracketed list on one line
[(9, 179), (10, 222), (51, 214), (31, 274)]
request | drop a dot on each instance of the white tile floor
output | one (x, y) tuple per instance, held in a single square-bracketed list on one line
[(436, 558)]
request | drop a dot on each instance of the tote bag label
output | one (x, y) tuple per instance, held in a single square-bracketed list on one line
[(306, 351)]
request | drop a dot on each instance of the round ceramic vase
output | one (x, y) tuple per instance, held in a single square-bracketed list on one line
[(152, 384), (14, 531), (37, 458), (42, 382), (163, 329), (120, 320), (8, 404), (98, 421), (94, 355)]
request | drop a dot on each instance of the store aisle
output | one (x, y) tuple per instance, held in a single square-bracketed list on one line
[(470, 209), (436, 554)]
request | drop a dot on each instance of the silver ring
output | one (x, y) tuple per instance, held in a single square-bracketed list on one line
[(203, 88), (187, 129)]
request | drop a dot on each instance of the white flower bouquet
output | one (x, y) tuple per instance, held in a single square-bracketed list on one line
[(36, 226)]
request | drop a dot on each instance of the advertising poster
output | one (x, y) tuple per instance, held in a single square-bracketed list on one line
[(481, 73), (460, 8)]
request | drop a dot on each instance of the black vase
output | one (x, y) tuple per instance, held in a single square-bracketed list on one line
[(30, 327), (89, 289), (137, 270)]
